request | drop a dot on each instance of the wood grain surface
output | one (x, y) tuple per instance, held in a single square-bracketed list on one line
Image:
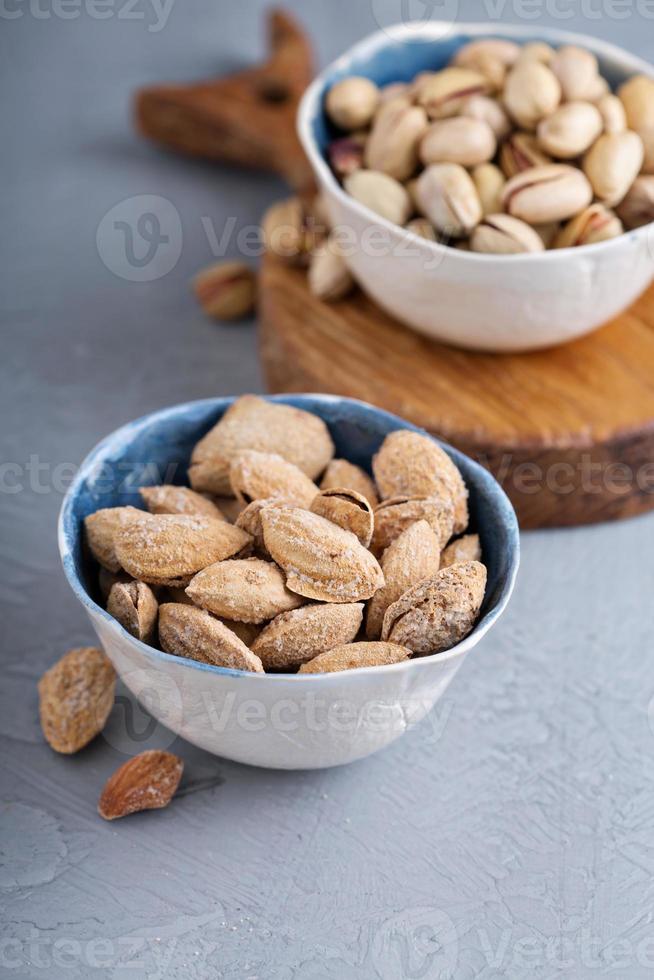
[(569, 432)]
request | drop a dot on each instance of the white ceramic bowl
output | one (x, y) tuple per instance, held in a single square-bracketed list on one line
[(278, 721), (482, 302)]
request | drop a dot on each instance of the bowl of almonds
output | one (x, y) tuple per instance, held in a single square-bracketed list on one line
[(494, 190), (288, 582)]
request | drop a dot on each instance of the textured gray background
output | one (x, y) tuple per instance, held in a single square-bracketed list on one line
[(508, 836)]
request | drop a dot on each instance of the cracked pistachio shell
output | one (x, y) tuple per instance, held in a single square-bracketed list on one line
[(101, 529), (577, 72), (352, 102), (179, 500), (351, 656), (392, 146), (570, 130), (550, 193), (166, 549), (253, 423), (329, 277), (613, 164), (531, 93), (395, 515), (448, 197), (489, 181), (413, 556), (293, 638), (347, 508), (382, 194), (467, 548), (135, 607), (489, 111), (594, 224), (443, 93), (521, 151), (637, 97), (439, 612), (458, 140), (503, 235), (410, 464), (637, 208), (197, 635), (247, 590), (341, 473), (321, 560), (257, 476), (614, 118)]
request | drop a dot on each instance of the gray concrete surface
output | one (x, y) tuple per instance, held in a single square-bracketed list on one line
[(508, 836)]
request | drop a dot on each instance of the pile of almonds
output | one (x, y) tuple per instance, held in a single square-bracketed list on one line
[(509, 149), (258, 568)]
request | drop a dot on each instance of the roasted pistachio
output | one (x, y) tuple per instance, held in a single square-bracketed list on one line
[(423, 228), (552, 193), (392, 147), (612, 165), (289, 232), (570, 130), (458, 140), (489, 111), (594, 224), (577, 71), (490, 182), (536, 51), (352, 102), (449, 198), (382, 194), (502, 234), (614, 118), (647, 136), (444, 93), (532, 92), (329, 277), (505, 51), (637, 96), (346, 154), (521, 151)]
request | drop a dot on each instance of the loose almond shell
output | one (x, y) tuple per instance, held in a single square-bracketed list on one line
[(347, 508), (179, 500), (412, 557), (258, 476), (438, 613), (246, 591), (135, 607), (321, 560), (394, 516), (75, 698), (171, 548), (147, 782), (197, 635), (467, 548), (354, 655), (252, 423), (412, 465), (295, 637), (341, 473), (101, 529)]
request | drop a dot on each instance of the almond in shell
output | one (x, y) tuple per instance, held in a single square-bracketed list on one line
[(395, 515), (256, 476), (135, 607), (247, 591), (147, 782), (467, 548), (347, 508), (321, 560), (354, 655), (250, 520), (197, 635), (410, 464), (170, 548), (75, 699), (295, 637), (412, 557), (341, 473), (439, 612), (179, 500), (101, 529), (253, 423)]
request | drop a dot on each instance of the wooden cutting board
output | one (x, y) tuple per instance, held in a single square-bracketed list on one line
[(568, 432)]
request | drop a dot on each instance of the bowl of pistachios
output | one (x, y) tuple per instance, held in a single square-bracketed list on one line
[(492, 190)]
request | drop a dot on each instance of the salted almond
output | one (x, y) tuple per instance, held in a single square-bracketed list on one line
[(412, 465), (171, 548), (347, 508), (230, 508), (247, 632), (295, 637), (197, 635), (253, 423), (467, 548), (101, 529), (179, 500), (135, 607), (395, 515), (321, 560), (250, 520), (107, 580), (438, 613), (147, 782), (353, 655), (258, 476), (341, 473), (246, 591), (75, 698), (412, 557)]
